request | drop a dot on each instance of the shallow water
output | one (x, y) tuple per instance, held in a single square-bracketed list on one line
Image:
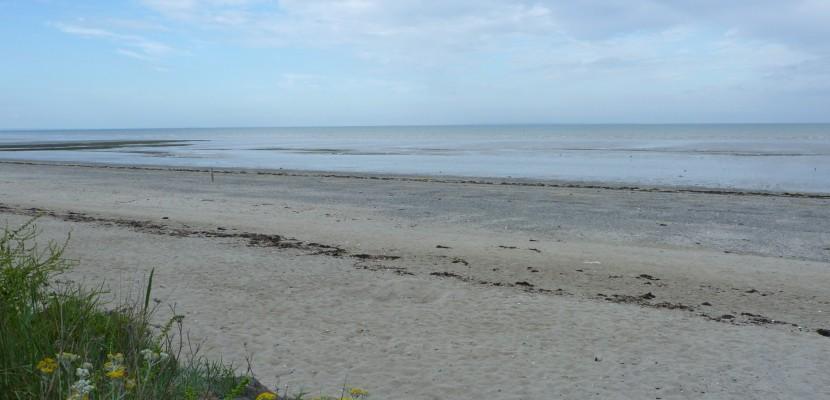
[(780, 157)]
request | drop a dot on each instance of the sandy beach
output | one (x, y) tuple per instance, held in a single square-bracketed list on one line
[(432, 288)]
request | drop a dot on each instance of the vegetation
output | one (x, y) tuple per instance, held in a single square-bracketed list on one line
[(57, 341)]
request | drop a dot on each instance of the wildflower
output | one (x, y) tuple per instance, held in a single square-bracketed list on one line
[(267, 396), (87, 366), (117, 373), (129, 383), (82, 373), (163, 356), (147, 354), (113, 366), (47, 365), (151, 356), (117, 357), (81, 388), (357, 392), (67, 357)]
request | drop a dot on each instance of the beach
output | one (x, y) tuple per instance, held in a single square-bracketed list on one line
[(430, 287), (414, 200)]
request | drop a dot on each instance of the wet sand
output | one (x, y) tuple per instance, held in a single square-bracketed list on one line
[(92, 145), (423, 288)]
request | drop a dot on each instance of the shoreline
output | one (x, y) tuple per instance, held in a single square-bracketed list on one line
[(526, 182)]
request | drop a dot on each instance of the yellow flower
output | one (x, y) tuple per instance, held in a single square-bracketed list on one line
[(47, 365), (129, 383), (117, 373), (267, 396), (358, 392)]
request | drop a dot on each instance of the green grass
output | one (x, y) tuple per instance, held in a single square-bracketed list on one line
[(58, 341)]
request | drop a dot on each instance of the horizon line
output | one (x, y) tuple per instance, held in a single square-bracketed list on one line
[(412, 125)]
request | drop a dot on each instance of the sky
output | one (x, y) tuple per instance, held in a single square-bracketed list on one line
[(208, 63)]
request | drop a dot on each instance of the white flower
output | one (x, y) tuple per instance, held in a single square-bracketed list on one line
[(82, 386), (82, 373), (87, 366), (149, 355), (67, 357), (117, 358), (152, 357)]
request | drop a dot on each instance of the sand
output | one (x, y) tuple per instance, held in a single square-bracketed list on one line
[(434, 290)]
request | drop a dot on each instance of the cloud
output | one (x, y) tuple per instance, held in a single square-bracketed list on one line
[(414, 30), (797, 22), (172, 7), (609, 46), (199, 10), (133, 46), (407, 32), (133, 54)]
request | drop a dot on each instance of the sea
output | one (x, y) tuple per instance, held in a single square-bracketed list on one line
[(763, 157)]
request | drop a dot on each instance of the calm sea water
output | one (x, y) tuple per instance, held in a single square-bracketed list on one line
[(783, 157)]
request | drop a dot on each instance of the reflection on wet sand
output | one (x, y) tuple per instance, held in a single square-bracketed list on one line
[(92, 145)]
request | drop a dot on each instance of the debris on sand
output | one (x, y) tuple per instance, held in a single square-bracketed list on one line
[(458, 260), (446, 274), (380, 267), (673, 306), (374, 257), (760, 319), (647, 277), (648, 296)]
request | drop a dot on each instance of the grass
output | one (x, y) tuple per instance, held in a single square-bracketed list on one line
[(59, 341)]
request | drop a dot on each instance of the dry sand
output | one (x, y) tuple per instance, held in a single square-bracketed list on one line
[(535, 292)]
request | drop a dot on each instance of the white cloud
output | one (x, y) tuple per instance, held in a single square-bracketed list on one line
[(797, 20), (690, 43), (133, 46), (172, 7), (467, 25), (133, 54)]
